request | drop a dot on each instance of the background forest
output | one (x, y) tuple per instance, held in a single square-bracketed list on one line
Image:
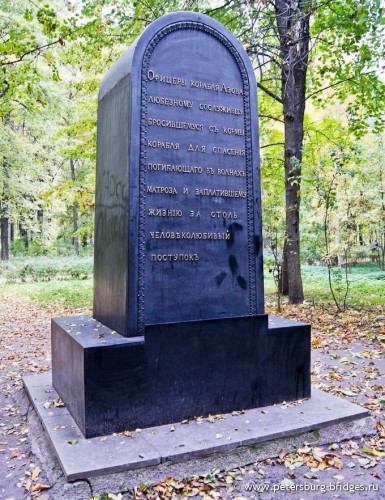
[(320, 72)]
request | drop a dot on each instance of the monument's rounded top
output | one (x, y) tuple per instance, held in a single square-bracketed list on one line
[(122, 68)]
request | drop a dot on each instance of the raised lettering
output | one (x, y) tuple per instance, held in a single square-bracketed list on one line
[(233, 131), (158, 122), (163, 212), (231, 90), (163, 145), (170, 80), (231, 172), (196, 148), (223, 215), (228, 151), (220, 109), (171, 235), (225, 193), (204, 85), (169, 257), (180, 169), (165, 101), (161, 190)]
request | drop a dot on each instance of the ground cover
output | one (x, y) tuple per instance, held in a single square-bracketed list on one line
[(27, 269)]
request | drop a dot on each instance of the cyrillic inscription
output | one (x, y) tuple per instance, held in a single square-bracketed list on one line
[(163, 144), (220, 109), (165, 101), (204, 85), (224, 215), (170, 80), (187, 235), (231, 172), (215, 87), (173, 124), (164, 212), (180, 169), (162, 190), (188, 116), (226, 193), (233, 131), (196, 148), (172, 257), (228, 151)]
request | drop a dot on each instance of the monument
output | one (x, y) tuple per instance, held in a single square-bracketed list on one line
[(178, 327)]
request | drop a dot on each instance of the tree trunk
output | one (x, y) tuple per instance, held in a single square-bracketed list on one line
[(74, 212), (293, 27), (75, 226), (284, 281), (24, 234), (4, 230)]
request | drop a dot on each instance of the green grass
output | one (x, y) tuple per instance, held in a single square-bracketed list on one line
[(366, 285), (51, 283), (75, 293)]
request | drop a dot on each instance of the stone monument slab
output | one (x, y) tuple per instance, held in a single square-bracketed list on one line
[(178, 211)]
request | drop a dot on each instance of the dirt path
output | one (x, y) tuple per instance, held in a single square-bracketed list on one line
[(347, 361), (25, 349)]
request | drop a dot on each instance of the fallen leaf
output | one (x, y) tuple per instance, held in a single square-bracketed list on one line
[(58, 402), (35, 473), (373, 451), (310, 475), (39, 487)]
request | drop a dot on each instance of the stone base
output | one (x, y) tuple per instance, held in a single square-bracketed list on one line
[(196, 447), (177, 371)]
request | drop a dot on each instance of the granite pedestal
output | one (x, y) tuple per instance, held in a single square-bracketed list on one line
[(112, 383)]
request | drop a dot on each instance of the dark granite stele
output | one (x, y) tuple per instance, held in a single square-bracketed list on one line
[(177, 371), (179, 328)]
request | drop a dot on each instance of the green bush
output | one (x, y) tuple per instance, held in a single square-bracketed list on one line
[(46, 268), (380, 275), (18, 248)]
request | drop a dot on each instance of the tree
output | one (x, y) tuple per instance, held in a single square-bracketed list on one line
[(300, 48), (35, 50)]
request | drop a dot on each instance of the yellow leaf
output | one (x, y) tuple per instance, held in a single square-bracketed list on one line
[(35, 473), (373, 451)]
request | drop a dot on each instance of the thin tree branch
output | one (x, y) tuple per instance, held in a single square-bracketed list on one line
[(271, 117), (272, 144), (268, 92), (334, 85)]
